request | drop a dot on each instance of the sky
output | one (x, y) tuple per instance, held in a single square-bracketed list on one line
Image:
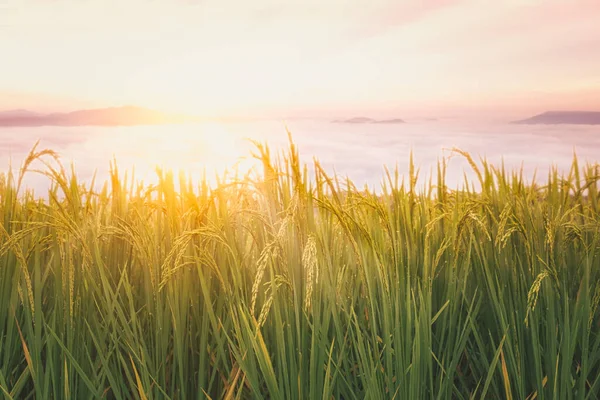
[(301, 58)]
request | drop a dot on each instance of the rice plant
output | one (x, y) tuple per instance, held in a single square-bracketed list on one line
[(295, 285)]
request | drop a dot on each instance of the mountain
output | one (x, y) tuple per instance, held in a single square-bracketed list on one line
[(18, 114), (564, 117), (390, 121), (364, 120), (357, 120), (113, 116)]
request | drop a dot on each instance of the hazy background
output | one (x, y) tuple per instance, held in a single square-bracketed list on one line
[(472, 65)]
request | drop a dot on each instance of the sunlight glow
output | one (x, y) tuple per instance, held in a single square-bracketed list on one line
[(197, 150)]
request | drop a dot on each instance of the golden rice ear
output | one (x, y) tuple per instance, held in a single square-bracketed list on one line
[(311, 270)]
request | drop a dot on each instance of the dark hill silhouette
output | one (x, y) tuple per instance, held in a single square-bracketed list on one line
[(564, 117), (390, 121), (357, 120), (364, 120), (18, 114), (113, 116)]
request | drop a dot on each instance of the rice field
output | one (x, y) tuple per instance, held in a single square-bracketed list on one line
[(292, 284)]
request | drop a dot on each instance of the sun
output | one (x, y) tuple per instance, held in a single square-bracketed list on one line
[(199, 151)]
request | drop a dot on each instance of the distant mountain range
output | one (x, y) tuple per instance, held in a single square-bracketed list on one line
[(364, 120), (564, 117), (113, 116), (132, 116)]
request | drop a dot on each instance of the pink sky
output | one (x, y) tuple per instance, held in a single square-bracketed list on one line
[(301, 57)]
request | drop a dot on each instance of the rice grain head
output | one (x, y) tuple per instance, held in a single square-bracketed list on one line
[(309, 264), (532, 295)]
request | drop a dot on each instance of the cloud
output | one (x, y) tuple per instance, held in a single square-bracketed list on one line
[(389, 15), (226, 54)]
